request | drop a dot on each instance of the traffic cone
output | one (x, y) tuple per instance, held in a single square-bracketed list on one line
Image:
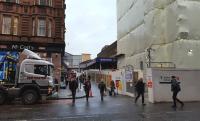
[(90, 93)]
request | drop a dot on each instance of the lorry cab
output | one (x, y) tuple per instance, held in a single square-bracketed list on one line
[(34, 80), (36, 71)]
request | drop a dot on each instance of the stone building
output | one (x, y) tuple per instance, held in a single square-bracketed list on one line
[(37, 25)]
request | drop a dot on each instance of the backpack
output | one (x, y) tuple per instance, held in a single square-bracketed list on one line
[(176, 86)]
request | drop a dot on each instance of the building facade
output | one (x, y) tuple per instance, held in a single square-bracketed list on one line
[(85, 57), (37, 25), (108, 51), (72, 62), (158, 33)]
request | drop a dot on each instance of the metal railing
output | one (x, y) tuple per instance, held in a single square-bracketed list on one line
[(163, 65)]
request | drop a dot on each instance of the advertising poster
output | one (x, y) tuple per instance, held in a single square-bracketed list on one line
[(8, 63)]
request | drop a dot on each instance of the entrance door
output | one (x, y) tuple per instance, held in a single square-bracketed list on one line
[(130, 84)]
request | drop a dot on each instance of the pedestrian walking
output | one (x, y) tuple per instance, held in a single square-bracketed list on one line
[(102, 89), (112, 88), (66, 80), (87, 87), (175, 88), (56, 84), (140, 87), (73, 85)]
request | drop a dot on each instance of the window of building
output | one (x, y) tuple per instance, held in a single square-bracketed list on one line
[(46, 2), (49, 3), (42, 2), (6, 28), (41, 27), (33, 26), (49, 28), (15, 26), (14, 1)]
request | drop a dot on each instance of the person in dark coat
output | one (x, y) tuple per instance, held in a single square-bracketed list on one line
[(112, 88), (140, 87), (175, 88), (56, 84), (73, 85), (102, 89), (87, 87)]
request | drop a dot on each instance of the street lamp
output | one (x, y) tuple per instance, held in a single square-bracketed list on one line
[(149, 57)]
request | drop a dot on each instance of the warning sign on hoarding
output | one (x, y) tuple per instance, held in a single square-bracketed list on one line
[(149, 84)]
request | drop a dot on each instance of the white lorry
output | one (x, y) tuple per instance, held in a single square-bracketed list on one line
[(33, 80)]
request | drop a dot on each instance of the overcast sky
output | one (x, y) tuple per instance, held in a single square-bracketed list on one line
[(90, 25)]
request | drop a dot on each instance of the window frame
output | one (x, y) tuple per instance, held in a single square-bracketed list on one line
[(33, 26), (15, 26), (41, 27), (12, 1), (5, 28), (50, 3), (50, 28), (42, 3)]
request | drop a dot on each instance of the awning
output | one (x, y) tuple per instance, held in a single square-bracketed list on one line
[(99, 63)]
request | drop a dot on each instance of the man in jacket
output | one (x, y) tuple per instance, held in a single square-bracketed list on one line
[(102, 89), (73, 85), (140, 87), (112, 88), (87, 87), (175, 88)]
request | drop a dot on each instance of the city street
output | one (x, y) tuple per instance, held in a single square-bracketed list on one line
[(119, 108)]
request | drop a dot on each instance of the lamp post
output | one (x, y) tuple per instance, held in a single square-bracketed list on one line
[(149, 56)]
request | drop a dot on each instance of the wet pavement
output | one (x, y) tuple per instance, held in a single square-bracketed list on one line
[(66, 93), (118, 108)]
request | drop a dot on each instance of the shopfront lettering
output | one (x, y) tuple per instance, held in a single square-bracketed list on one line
[(21, 47)]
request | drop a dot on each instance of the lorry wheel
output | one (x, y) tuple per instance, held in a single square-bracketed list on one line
[(2, 97), (29, 97)]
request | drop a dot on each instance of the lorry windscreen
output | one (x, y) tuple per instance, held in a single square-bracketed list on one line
[(40, 69)]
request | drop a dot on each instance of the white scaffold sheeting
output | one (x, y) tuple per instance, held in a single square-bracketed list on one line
[(154, 27), (135, 60), (123, 7), (131, 20), (162, 25), (156, 4)]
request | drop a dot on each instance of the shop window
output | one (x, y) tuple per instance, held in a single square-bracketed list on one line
[(41, 27), (6, 28)]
